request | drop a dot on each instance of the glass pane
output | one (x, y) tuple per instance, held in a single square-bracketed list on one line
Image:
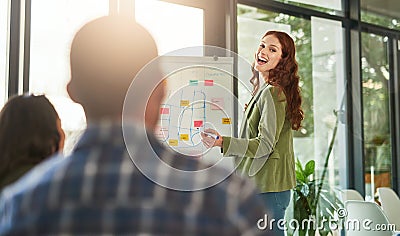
[(329, 97), (252, 24), (319, 46), (333, 7), (377, 144), (3, 49), (184, 29), (53, 26), (383, 13), (319, 53)]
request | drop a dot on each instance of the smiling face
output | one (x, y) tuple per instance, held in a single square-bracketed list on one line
[(269, 54)]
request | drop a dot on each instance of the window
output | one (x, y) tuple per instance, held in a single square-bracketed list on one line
[(383, 13), (376, 116), (333, 7), (53, 26), (319, 53), (172, 26), (4, 6), (329, 93)]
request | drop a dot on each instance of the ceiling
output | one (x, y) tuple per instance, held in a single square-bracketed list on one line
[(389, 8)]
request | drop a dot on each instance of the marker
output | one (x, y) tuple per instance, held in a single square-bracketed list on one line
[(214, 136)]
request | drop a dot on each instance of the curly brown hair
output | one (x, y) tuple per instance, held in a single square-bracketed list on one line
[(285, 76)]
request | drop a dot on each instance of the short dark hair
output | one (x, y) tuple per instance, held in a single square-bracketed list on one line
[(106, 54), (28, 132)]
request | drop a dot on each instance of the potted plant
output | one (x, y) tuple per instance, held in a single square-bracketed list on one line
[(313, 210), (314, 202)]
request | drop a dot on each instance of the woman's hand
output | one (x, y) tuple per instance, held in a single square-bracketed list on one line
[(211, 138)]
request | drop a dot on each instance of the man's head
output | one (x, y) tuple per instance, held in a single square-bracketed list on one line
[(105, 56)]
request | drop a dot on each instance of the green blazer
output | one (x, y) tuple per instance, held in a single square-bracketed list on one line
[(264, 150)]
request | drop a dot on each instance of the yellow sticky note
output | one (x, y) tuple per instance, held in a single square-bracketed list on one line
[(184, 137), (173, 142), (226, 121), (185, 103)]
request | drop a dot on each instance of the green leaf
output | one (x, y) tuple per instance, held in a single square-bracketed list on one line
[(311, 232), (299, 167), (300, 177), (290, 230), (302, 232), (310, 168), (304, 198), (324, 233), (325, 229), (326, 202)]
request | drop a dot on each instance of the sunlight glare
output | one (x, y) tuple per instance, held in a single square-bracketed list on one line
[(172, 26)]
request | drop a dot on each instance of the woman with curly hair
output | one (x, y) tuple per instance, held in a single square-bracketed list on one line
[(30, 131), (264, 150)]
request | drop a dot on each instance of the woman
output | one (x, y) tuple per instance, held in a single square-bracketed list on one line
[(264, 151), (30, 131)]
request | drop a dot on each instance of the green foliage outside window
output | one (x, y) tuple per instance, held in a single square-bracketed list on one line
[(380, 20)]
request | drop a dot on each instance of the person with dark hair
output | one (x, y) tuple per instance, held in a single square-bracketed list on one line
[(30, 132), (98, 189), (264, 150)]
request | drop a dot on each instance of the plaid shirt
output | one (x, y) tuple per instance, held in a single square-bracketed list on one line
[(98, 190)]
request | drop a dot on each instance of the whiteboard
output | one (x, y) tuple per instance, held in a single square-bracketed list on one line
[(199, 94)]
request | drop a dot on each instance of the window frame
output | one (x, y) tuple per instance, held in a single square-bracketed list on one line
[(353, 26)]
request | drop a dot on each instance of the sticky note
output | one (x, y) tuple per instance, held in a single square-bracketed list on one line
[(197, 123), (226, 121), (161, 132), (185, 103), (193, 82), (164, 111), (217, 103), (208, 82), (184, 137), (173, 142)]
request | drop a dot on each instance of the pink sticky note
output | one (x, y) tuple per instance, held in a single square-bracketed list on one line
[(198, 123), (208, 82), (217, 103), (164, 111)]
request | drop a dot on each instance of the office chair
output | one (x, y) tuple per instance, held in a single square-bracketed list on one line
[(350, 194), (364, 218), (390, 205)]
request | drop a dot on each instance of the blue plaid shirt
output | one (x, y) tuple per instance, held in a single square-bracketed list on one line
[(98, 190)]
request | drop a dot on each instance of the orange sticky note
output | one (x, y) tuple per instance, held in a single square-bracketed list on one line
[(226, 121), (173, 142), (184, 137), (185, 103)]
